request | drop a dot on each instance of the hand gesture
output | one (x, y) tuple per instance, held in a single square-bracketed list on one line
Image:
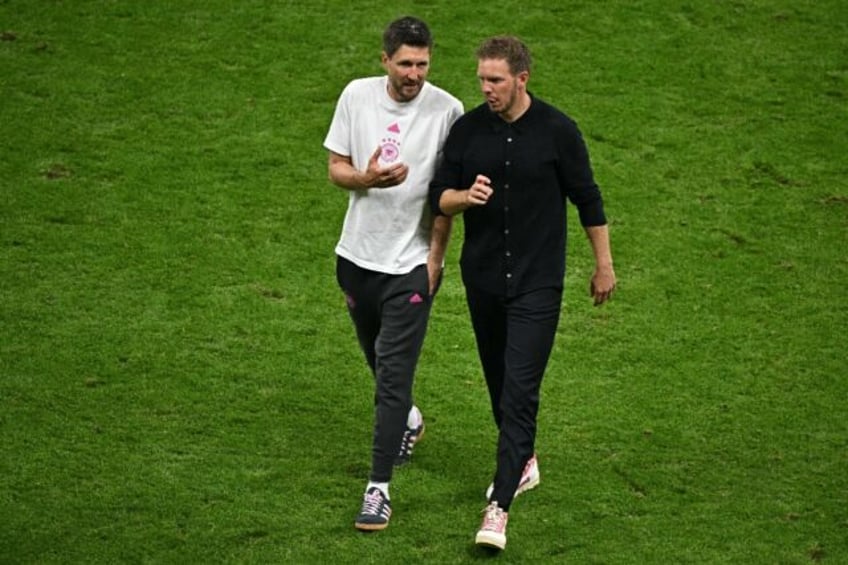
[(479, 192), (377, 176)]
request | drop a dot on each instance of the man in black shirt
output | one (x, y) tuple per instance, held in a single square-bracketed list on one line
[(522, 160)]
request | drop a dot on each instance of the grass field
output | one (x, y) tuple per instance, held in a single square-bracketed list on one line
[(179, 382)]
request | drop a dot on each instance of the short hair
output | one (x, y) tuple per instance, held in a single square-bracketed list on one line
[(509, 48), (406, 31)]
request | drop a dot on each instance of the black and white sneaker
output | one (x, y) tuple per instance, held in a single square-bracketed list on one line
[(410, 437), (375, 513)]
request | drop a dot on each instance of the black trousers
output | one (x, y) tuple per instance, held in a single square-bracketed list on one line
[(515, 337), (390, 314)]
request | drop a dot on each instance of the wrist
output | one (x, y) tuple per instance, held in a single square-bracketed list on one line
[(360, 180)]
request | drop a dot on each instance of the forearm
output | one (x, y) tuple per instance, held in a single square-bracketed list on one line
[(453, 201), (345, 175), (603, 280), (439, 238), (600, 241)]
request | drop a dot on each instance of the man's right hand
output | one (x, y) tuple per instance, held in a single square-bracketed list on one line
[(479, 192), (384, 177)]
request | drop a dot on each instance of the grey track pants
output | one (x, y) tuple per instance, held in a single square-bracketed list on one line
[(390, 314)]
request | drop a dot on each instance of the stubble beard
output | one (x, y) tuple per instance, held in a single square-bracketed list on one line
[(400, 89)]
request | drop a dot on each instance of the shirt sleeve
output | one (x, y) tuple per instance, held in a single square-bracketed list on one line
[(338, 136), (448, 171), (577, 177)]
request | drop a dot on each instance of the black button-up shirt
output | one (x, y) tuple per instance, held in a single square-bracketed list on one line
[(515, 243)]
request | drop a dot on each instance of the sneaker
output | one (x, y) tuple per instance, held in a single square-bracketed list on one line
[(375, 511), (410, 437), (529, 478), (492, 531)]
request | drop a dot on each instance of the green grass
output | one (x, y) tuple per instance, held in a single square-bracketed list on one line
[(179, 381)]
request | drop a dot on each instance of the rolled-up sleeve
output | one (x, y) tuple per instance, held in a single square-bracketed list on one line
[(448, 172)]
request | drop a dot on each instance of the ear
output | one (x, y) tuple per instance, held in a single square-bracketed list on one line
[(384, 59), (523, 77)]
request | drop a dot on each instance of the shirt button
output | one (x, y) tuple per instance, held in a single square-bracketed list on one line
[(506, 208), (509, 275), (509, 140), (506, 231), (507, 163), (506, 185), (509, 254)]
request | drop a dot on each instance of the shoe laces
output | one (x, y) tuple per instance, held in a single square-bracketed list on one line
[(373, 503), (494, 517)]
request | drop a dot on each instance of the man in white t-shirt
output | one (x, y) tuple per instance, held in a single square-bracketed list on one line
[(384, 142)]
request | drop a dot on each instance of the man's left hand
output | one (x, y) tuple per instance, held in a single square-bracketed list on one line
[(602, 285)]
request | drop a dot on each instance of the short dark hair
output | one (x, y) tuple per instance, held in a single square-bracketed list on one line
[(508, 48), (406, 31)]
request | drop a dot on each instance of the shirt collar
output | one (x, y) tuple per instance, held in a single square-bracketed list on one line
[(498, 124)]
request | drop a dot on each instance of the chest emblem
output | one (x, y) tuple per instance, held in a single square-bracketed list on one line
[(390, 150), (389, 145)]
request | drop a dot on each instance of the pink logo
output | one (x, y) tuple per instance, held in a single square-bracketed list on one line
[(390, 150), (416, 299), (350, 301), (394, 128)]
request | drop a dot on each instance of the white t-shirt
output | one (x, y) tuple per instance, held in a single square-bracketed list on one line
[(388, 229)]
